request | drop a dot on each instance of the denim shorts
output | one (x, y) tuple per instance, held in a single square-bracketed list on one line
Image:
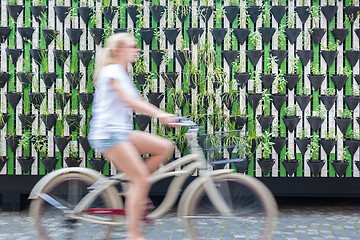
[(101, 145)]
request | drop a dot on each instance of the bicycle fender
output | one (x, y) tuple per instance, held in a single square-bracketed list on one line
[(43, 181)]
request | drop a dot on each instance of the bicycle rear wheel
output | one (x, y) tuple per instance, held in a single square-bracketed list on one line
[(252, 207), (68, 189)]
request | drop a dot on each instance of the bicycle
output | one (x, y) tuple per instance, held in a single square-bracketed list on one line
[(80, 196)]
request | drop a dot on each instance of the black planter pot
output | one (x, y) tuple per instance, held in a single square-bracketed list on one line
[(182, 56), (73, 162), (340, 33), (292, 34), (38, 12), (267, 33), (147, 34), (182, 12), (4, 33), (84, 142), (317, 34), (267, 80), (352, 57), (242, 78), (351, 12), (14, 11), (38, 55), (86, 100), (61, 142), (27, 120), (278, 100), (266, 165), (241, 34), (181, 99), (242, 165), (254, 12), (328, 101), (357, 31), (231, 12), (4, 120), (327, 145), (291, 122), (25, 78), (157, 56), (170, 78), (157, 12), (74, 79), (329, 56), (291, 80), (26, 33), (25, 163), (352, 145), (278, 12), (279, 143), (132, 10), (302, 144), (36, 99), (4, 78), (253, 99), (340, 167), (219, 35), (357, 163), (194, 34), (49, 35), (97, 163), (49, 79), (265, 121), (206, 12), (343, 123), (49, 120), (315, 122), (239, 121), (351, 101), (141, 78), (73, 120), (74, 35), (339, 80), (316, 80), (49, 163), (171, 34), (316, 166), (61, 56), (329, 12), (13, 142), (358, 120), (109, 13), (303, 13), (62, 99), (85, 13), (97, 34), (254, 56), (142, 121), (13, 54), (13, 98), (280, 55), (230, 56), (3, 160), (85, 56), (290, 166), (305, 56), (62, 12), (357, 78), (155, 98), (229, 99), (194, 80)]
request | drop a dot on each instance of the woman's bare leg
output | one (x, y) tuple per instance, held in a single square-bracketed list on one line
[(126, 158)]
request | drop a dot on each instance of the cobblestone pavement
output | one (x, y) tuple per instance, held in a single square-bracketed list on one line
[(300, 218)]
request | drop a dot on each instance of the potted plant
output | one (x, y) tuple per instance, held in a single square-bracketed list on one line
[(291, 32), (317, 118), (232, 10), (317, 76), (14, 9), (340, 165), (315, 163), (340, 78), (255, 54), (242, 32), (329, 52), (97, 32), (279, 142), (239, 118), (243, 150), (40, 144), (74, 76), (290, 163), (303, 140), (73, 160), (239, 69), (254, 98), (24, 160), (329, 140), (265, 161), (61, 141), (61, 10), (268, 77), (292, 77), (266, 31), (329, 98), (229, 54), (343, 120), (353, 100), (265, 119), (97, 163), (303, 98), (37, 10), (278, 95), (290, 118), (329, 10), (171, 32)]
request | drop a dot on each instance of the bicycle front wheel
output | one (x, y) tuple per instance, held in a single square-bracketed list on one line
[(67, 190), (249, 210)]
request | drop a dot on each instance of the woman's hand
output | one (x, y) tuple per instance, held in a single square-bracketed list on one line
[(167, 118)]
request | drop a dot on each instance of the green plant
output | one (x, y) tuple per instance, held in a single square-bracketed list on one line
[(141, 19), (306, 33), (36, 2), (344, 113), (302, 134), (345, 155), (354, 92), (275, 129), (255, 38), (331, 46), (44, 61), (60, 2), (266, 14), (228, 39), (271, 64), (95, 17), (265, 103), (291, 19), (243, 19), (204, 97), (315, 15), (265, 145), (24, 142), (141, 64), (314, 148), (342, 71), (304, 91), (219, 14), (329, 92), (330, 135), (239, 65), (245, 144), (170, 17), (315, 69), (73, 151), (257, 80), (40, 144), (319, 111), (351, 134), (59, 42), (12, 2), (290, 111), (293, 64), (234, 3), (279, 83), (280, 36), (208, 52), (289, 155)]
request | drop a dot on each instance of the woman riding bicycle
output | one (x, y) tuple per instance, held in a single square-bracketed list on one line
[(111, 129)]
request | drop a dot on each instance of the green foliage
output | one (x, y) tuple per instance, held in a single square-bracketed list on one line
[(228, 39), (302, 134), (266, 14), (275, 129), (290, 111), (293, 64), (255, 38), (272, 63), (257, 80), (351, 134), (329, 92), (265, 103), (266, 144), (342, 71), (315, 15), (41, 144), (344, 113), (330, 135), (289, 155), (73, 150), (219, 14), (291, 19), (345, 155), (320, 112), (331, 46), (239, 65), (280, 36), (305, 91), (279, 83), (315, 69), (24, 141), (208, 52), (314, 148), (354, 92), (141, 64)]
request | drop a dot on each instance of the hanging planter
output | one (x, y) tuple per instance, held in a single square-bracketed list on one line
[(329, 12), (147, 34), (157, 56), (265, 121), (84, 142), (302, 144), (316, 166), (49, 79), (352, 145), (109, 13), (278, 100), (49, 163), (74, 35), (278, 12), (4, 78), (25, 78), (241, 34), (182, 11), (340, 34), (61, 142), (357, 78), (351, 101), (266, 34), (14, 11), (290, 166), (26, 33), (73, 120), (267, 80), (38, 12), (61, 56), (357, 31), (206, 12), (25, 163), (328, 101), (62, 99), (254, 56), (279, 143), (339, 80), (4, 120), (62, 12), (254, 12), (171, 34), (291, 80), (340, 167), (219, 35), (97, 34), (141, 78), (3, 160), (13, 54), (86, 100), (242, 78), (155, 98), (133, 11), (194, 80), (27, 120), (84, 13), (303, 13), (49, 120), (291, 122), (182, 56), (231, 13), (194, 34), (315, 122), (317, 34), (13, 98), (229, 99), (238, 120), (265, 165), (329, 56), (49, 35), (343, 123), (280, 55), (230, 56), (352, 57), (181, 99), (73, 162), (351, 12), (85, 56), (157, 11), (316, 80), (292, 34), (4, 33), (305, 56), (142, 121), (253, 99), (97, 163), (38, 55), (36, 99), (74, 79), (242, 166), (13, 142), (170, 78), (327, 144)]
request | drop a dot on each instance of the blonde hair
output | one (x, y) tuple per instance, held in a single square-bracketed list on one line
[(105, 56)]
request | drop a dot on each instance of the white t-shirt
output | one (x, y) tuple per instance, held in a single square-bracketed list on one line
[(109, 114)]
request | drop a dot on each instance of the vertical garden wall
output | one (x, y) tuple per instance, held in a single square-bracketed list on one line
[(285, 71)]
